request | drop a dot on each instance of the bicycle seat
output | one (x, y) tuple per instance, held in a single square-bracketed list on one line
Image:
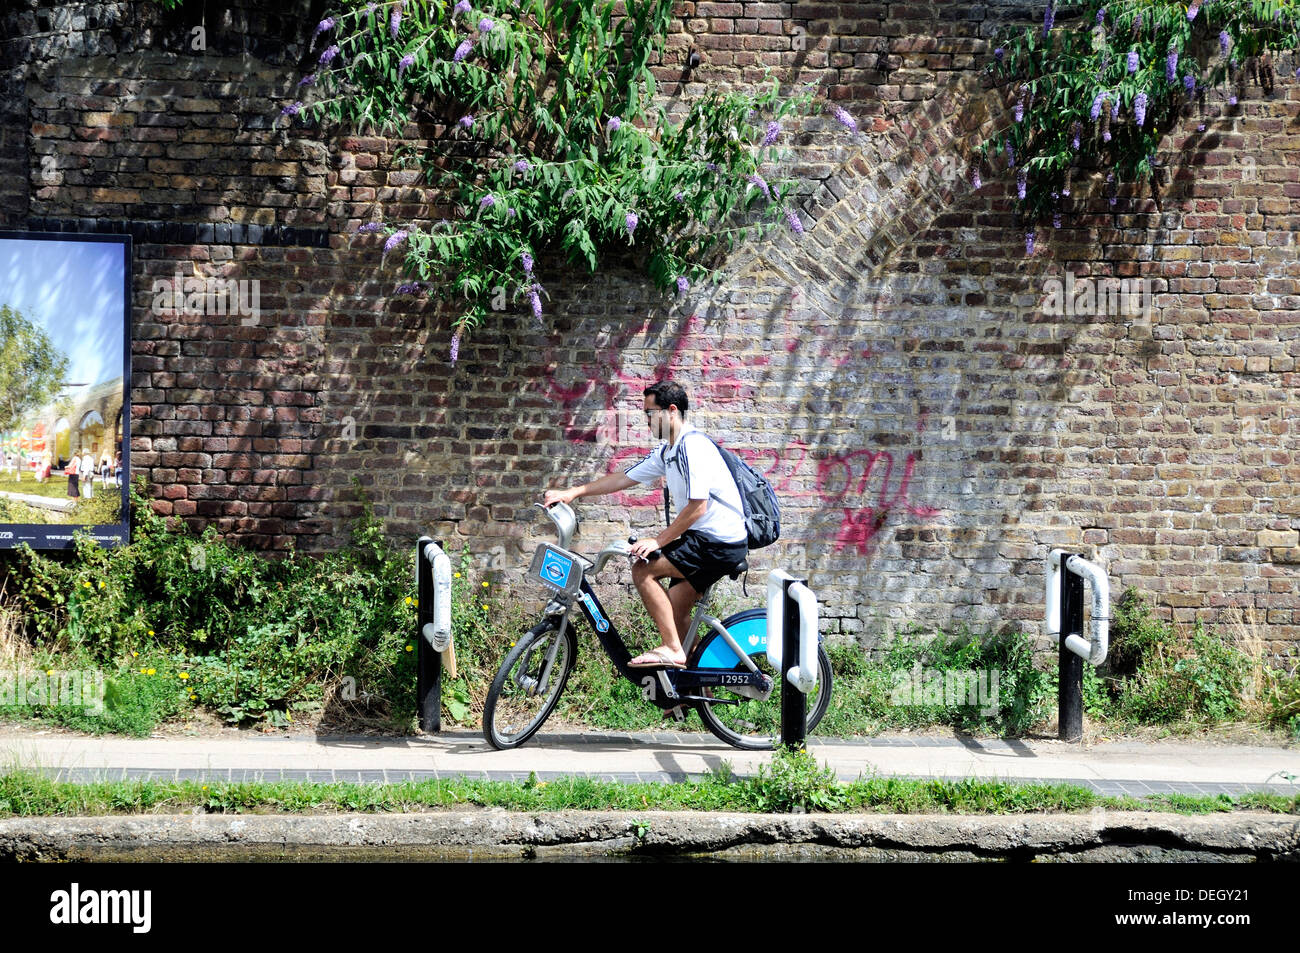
[(741, 567)]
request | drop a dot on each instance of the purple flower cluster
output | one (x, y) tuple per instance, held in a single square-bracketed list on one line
[(1132, 61), (526, 260), (1101, 16), (307, 80), (291, 109), (630, 222), (486, 202), (1056, 220), (680, 196), (1029, 243), (394, 240), (792, 220), (1096, 106), (465, 122), (613, 125), (999, 53), (1021, 180), (1140, 108), (1049, 17), (485, 25), (536, 301), (773, 131), (757, 181), (1189, 82), (369, 227), (403, 63), (395, 23), (1020, 105), (682, 285), (1193, 10), (326, 24), (461, 7), (523, 165), (976, 182), (1225, 41), (1171, 66), (844, 119), (1011, 156), (1078, 130), (462, 51), (1232, 100), (455, 347), (329, 53), (408, 289)]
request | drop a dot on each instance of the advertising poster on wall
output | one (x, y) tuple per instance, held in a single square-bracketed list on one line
[(65, 387)]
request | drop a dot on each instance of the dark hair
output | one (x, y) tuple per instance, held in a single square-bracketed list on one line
[(667, 393)]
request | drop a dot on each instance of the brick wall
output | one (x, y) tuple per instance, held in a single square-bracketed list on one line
[(932, 427)]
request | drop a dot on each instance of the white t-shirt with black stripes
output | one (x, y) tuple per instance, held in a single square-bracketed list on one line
[(696, 471)]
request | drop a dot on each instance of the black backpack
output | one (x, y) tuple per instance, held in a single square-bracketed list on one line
[(762, 514)]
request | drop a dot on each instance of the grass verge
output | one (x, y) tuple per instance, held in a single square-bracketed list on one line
[(29, 794)]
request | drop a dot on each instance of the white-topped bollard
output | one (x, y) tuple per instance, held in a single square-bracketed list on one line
[(1066, 574), (792, 649), (434, 646)]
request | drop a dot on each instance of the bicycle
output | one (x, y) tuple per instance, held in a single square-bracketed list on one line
[(727, 678)]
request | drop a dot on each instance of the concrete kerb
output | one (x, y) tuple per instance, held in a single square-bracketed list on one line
[(497, 834)]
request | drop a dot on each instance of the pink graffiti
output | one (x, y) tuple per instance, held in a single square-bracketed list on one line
[(846, 474)]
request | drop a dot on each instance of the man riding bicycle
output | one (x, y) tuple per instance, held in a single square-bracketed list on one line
[(703, 542)]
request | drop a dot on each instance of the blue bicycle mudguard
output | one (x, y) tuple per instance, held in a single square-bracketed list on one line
[(748, 628)]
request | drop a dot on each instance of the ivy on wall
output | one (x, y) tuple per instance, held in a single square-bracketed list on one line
[(1098, 85), (543, 128)]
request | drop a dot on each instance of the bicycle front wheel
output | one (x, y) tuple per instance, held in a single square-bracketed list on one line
[(528, 685), (736, 715)]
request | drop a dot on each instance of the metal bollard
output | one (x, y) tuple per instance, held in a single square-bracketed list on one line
[(432, 630), (1066, 573), (792, 650)]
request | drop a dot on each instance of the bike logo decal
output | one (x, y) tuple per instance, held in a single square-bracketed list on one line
[(555, 567), (753, 641), (602, 624)]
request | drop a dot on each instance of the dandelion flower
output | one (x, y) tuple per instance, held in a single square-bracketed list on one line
[(409, 648), (485, 585), (153, 671), (184, 676)]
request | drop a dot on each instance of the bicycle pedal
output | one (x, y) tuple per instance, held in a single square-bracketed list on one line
[(677, 713)]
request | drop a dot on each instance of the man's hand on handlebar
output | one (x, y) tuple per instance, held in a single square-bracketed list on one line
[(644, 548), (559, 496)]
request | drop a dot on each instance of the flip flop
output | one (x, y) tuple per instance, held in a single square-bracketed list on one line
[(655, 658)]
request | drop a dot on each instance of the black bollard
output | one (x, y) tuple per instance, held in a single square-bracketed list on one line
[(428, 662), (1070, 666), (794, 705)]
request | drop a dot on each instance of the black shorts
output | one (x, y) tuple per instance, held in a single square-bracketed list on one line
[(703, 561)]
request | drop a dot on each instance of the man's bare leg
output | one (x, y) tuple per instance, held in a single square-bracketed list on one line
[(646, 576)]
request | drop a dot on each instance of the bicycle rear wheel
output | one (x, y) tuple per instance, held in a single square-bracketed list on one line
[(737, 717), (524, 692)]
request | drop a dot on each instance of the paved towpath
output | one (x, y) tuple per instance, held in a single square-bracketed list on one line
[(1121, 767)]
